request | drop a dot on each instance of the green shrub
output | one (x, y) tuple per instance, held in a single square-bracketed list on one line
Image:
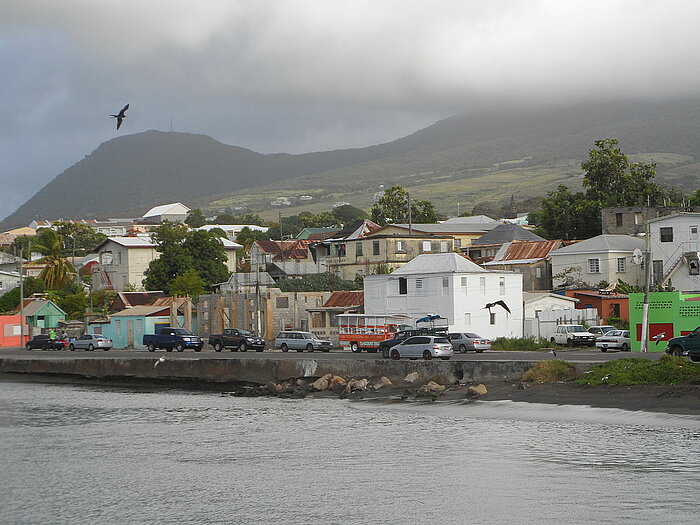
[(668, 370), (519, 344), (618, 322), (551, 371)]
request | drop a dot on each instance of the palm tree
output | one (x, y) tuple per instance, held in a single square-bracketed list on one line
[(58, 270)]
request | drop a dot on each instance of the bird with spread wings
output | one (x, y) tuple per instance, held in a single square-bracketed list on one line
[(120, 116), (497, 303)]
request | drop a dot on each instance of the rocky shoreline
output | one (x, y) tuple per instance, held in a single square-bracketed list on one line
[(673, 399)]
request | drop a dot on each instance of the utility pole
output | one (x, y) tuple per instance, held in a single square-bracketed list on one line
[(21, 298), (644, 346), (410, 225)]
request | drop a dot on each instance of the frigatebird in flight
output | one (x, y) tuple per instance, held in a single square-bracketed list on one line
[(120, 116), (497, 303)]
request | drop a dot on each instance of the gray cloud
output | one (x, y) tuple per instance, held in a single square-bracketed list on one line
[(315, 74)]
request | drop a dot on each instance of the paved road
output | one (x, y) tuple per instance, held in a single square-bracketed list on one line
[(573, 355)]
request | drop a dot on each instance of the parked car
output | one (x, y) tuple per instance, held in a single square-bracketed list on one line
[(425, 346), (686, 345), (237, 339), (464, 342), (169, 338), (614, 340), (597, 331), (572, 335), (45, 342), (300, 341), (91, 341), (402, 335)]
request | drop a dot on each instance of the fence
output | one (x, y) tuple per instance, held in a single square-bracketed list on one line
[(545, 323)]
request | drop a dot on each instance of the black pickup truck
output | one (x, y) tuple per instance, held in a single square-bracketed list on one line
[(169, 338), (237, 339)]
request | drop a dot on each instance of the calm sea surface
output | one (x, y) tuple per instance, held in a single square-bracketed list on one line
[(84, 455)]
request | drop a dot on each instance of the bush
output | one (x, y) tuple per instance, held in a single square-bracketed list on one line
[(519, 344), (551, 371), (668, 370), (618, 322)]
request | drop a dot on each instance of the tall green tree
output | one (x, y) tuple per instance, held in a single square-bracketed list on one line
[(347, 214), (195, 218), (57, 269), (77, 238), (393, 207), (208, 256)]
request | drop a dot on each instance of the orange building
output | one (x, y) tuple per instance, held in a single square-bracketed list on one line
[(9, 331), (607, 304)]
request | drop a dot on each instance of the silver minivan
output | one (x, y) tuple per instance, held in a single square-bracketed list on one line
[(301, 341), (425, 346)]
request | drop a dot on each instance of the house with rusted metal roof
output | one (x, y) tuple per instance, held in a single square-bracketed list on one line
[(530, 258), (264, 254), (484, 248)]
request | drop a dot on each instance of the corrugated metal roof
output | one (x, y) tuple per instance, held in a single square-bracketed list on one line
[(143, 311), (505, 233), (439, 263), (603, 243), (528, 250), (345, 299), (164, 208), (296, 249)]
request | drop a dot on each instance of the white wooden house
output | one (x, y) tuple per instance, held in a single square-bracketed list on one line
[(674, 242), (449, 285)]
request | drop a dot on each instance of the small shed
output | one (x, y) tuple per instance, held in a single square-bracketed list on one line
[(126, 328), (42, 313)]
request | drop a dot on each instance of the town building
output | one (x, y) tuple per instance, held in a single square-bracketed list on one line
[(449, 285), (632, 220), (484, 248), (671, 314), (674, 242), (606, 258), (175, 212), (8, 281), (530, 258), (607, 303)]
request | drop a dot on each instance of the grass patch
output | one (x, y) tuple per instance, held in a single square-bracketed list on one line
[(519, 344), (551, 371), (668, 370)]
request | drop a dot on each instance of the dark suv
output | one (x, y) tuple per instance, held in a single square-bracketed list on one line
[(44, 342), (686, 345)]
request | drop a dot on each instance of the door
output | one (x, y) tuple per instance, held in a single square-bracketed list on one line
[(130, 333), (693, 247)]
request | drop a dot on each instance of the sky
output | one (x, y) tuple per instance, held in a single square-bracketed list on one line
[(312, 75)]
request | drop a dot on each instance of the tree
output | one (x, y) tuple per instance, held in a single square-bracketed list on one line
[(246, 236), (77, 238), (10, 301), (321, 282), (195, 218), (347, 214), (566, 215), (189, 283), (57, 270), (393, 207), (208, 256)]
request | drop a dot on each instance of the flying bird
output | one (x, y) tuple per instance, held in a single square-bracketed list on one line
[(161, 360), (659, 337), (120, 116), (497, 303)]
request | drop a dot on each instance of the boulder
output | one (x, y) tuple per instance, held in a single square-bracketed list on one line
[(477, 390), (337, 384), (411, 378), (322, 382), (432, 386), (382, 382), (357, 384)]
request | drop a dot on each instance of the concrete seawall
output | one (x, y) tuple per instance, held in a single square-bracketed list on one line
[(263, 370)]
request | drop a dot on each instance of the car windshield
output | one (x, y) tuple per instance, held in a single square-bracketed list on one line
[(247, 333), (613, 333), (182, 331), (607, 329), (576, 328)]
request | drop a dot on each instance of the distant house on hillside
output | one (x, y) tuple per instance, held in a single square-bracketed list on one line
[(175, 212)]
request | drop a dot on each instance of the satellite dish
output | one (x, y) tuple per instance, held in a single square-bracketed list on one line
[(637, 256)]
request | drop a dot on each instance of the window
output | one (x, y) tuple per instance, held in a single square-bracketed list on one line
[(618, 219), (282, 302), (403, 286), (443, 246), (400, 246), (637, 218), (118, 327), (538, 273), (492, 318), (445, 285), (457, 244), (340, 250), (426, 246), (666, 234), (616, 309), (358, 249), (482, 285), (375, 247), (621, 265), (463, 284), (420, 289), (502, 285), (467, 319), (594, 265)]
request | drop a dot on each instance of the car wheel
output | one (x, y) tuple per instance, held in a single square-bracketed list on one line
[(395, 355), (197, 348), (427, 355), (72, 347), (91, 348), (677, 351), (151, 347), (462, 349), (168, 348), (243, 347), (552, 341), (218, 347), (355, 347), (385, 352), (309, 347), (45, 347), (28, 346), (625, 347), (569, 343), (284, 347), (180, 347)]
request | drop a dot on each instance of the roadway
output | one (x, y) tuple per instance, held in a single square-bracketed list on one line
[(578, 355)]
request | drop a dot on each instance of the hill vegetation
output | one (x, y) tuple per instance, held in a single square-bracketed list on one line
[(467, 160)]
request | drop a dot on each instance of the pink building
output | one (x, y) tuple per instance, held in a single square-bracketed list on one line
[(10, 331)]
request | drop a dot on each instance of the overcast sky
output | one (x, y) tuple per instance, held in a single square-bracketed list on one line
[(310, 75)]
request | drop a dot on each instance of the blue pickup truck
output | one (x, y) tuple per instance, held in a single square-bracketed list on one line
[(169, 338)]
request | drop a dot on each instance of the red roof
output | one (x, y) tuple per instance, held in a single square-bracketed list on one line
[(529, 250), (296, 249), (343, 299)]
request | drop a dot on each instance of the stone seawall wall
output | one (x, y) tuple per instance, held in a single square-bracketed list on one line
[(263, 370)]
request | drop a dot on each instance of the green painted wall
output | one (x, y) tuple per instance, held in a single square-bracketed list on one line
[(670, 313)]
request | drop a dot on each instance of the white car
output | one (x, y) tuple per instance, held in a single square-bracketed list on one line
[(600, 330), (89, 342), (573, 335), (614, 340), (425, 346)]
